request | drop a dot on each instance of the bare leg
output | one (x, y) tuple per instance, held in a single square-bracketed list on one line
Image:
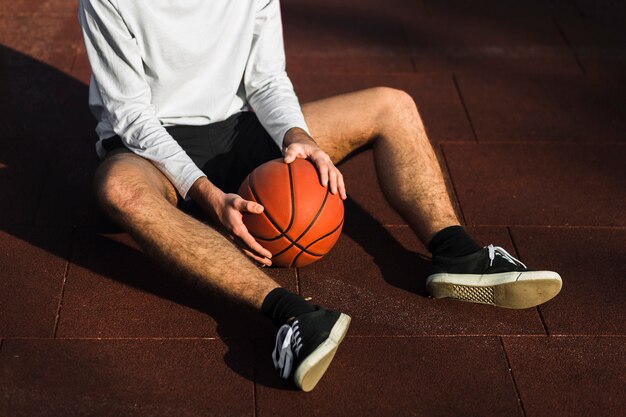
[(406, 165), (136, 195)]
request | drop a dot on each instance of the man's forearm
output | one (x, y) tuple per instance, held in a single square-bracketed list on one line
[(297, 135), (206, 194)]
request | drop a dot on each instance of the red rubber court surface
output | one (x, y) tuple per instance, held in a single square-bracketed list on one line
[(524, 102)]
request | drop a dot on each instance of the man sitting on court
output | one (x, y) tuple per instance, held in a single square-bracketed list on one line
[(191, 97)]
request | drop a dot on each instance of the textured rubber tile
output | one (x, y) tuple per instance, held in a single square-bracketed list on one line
[(539, 184), (81, 70), (51, 39), (580, 31), (604, 61), (467, 31), (507, 106), (342, 38), (33, 263), (22, 171), (384, 7), (421, 376), (41, 7), (500, 8), (600, 48), (435, 95), (114, 290), (601, 10), (567, 376), (37, 149), (481, 59), (377, 276), (67, 197), (475, 43), (589, 261), (340, 62), (125, 377), (39, 103)]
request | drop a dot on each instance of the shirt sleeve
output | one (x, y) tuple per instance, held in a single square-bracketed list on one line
[(117, 69), (268, 88)]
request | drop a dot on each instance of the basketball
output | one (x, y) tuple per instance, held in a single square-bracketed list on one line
[(302, 220)]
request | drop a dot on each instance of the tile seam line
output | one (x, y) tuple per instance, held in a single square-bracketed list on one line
[(417, 336), (467, 114), (574, 335), (537, 309), (66, 273), (559, 29), (578, 9), (537, 226), (113, 338), (512, 377), (549, 226), (580, 143), (444, 336)]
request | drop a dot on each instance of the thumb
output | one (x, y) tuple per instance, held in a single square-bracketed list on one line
[(290, 155), (250, 207)]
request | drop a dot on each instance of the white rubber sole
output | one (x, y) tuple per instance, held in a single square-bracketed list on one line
[(311, 370), (508, 289)]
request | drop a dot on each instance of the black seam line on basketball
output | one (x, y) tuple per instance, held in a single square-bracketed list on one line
[(314, 242), (295, 242), (293, 209), (275, 224), (258, 200), (293, 200)]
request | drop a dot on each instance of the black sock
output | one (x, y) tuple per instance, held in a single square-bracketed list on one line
[(452, 242), (280, 305)]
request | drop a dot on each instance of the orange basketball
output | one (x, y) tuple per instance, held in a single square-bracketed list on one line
[(302, 220)]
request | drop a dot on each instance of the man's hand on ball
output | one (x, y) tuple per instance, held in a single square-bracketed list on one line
[(231, 217), (298, 144), (227, 210)]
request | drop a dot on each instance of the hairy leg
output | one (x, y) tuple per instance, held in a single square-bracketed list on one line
[(137, 196), (406, 165)]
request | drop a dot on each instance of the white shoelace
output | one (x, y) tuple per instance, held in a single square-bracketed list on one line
[(288, 340), (493, 250)]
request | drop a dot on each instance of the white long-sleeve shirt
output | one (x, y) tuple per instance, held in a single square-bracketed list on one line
[(157, 63)]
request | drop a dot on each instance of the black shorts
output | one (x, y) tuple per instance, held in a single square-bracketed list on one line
[(225, 151)]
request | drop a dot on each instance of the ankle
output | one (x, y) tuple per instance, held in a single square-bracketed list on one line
[(453, 241), (281, 305)]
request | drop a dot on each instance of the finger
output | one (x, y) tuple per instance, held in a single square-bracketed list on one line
[(262, 261), (247, 206), (290, 154), (333, 180), (341, 185), (242, 233), (252, 207), (323, 170)]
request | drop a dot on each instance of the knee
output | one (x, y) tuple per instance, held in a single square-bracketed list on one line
[(117, 193), (397, 106)]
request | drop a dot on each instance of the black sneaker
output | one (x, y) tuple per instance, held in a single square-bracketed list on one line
[(307, 344), (491, 276)]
